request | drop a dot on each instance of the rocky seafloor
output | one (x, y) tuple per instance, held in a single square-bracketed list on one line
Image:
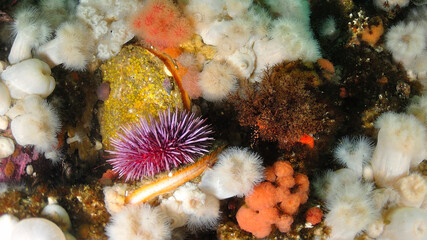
[(293, 99)]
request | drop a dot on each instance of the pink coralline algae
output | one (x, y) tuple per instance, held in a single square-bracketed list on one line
[(13, 167), (149, 147)]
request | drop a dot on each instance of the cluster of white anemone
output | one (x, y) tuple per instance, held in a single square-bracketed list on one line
[(24, 87), (380, 192), (248, 39), (61, 32)]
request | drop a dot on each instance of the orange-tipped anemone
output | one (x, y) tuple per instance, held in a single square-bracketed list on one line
[(168, 183)]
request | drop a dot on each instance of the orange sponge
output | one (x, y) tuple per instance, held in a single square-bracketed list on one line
[(286, 181), (263, 196), (283, 168), (249, 221), (373, 33), (284, 223), (290, 204), (269, 174), (301, 180), (326, 64), (314, 215), (275, 201), (281, 194), (268, 215)]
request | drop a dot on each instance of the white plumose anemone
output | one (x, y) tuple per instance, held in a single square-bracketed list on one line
[(4, 122), (7, 224), (36, 123), (30, 31), (233, 35), (354, 153), (243, 60), (269, 52), (296, 39), (139, 222), (109, 21), (73, 46), (236, 8), (174, 210), (37, 229), (405, 223), (350, 205), (376, 228), (56, 213), (203, 13), (401, 146), (418, 108), (385, 198), (217, 81), (406, 41), (28, 77), (412, 190), (237, 171), (202, 208), (5, 100), (328, 28), (7, 147), (207, 217), (331, 183)]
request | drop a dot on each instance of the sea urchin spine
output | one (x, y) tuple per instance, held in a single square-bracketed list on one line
[(149, 147)]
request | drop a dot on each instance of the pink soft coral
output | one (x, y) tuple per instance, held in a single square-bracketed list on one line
[(161, 24)]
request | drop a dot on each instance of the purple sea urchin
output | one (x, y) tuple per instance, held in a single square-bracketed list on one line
[(149, 147)]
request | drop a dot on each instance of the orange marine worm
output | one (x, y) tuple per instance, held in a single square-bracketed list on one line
[(172, 181)]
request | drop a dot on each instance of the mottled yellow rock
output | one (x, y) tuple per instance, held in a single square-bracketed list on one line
[(137, 82)]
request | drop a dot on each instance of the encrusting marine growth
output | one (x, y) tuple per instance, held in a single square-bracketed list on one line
[(283, 107)]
